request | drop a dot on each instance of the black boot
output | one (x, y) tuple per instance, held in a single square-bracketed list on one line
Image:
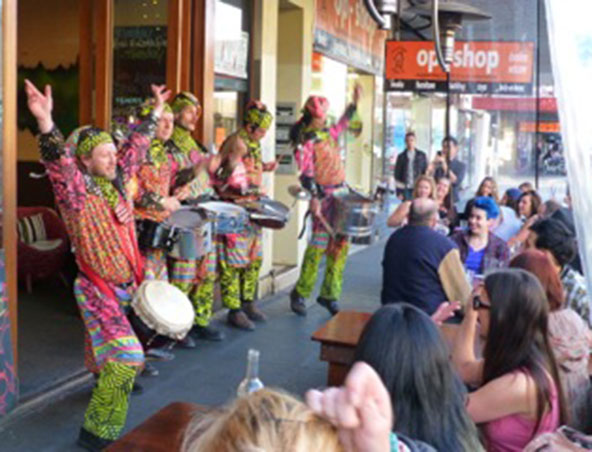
[(297, 303), (330, 305), (92, 442), (207, 333), (238, 319), (252, 312)]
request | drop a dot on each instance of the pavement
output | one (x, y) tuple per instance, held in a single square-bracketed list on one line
[(210, 374)]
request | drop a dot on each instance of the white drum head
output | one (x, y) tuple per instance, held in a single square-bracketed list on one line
[(164, 308)]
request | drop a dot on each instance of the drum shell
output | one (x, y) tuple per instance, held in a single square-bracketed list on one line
[(153, 235), (271, 214), (231, 224), (353, 215), (193, 244), (147, 336)]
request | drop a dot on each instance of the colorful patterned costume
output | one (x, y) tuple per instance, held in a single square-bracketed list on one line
[(196, 278), (240, 254), (154, 178), (322, 172), (98, 214)]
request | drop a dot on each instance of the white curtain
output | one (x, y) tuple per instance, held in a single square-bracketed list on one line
[(570, 40)]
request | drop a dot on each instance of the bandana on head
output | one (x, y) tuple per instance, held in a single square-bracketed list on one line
[(256, 114), (89, 138), (185, 99), (147, 107)]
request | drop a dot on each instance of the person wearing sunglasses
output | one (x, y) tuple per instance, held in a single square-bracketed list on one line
[(519, 394)]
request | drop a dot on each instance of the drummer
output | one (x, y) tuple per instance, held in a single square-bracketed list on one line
[(190, 180), (90, 183), (153, 203), (322, 173), (239, 179)]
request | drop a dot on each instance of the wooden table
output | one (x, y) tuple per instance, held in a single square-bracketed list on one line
[(161, 432), (339, 338)]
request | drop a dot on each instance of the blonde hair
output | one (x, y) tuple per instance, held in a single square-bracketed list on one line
[(429, 180), (266, 421), (494, 192)]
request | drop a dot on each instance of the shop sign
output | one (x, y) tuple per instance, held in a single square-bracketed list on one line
[(544, 104), (231, 56), (345, 31), (482, 67), (544, 127)]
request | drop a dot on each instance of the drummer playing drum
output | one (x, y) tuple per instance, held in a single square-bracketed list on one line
[(238, 178), (322, 173)]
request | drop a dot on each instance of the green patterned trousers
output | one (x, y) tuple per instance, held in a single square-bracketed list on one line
[(238, 284), (107, 410), (336, 251)]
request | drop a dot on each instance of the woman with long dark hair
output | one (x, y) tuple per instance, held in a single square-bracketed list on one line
[(568, 334), (405, 348), (520, 394)]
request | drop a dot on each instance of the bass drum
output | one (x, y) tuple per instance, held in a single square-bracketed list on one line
[(160, 312)]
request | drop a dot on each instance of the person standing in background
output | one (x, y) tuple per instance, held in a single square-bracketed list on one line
[(411, 163), (446, 164)]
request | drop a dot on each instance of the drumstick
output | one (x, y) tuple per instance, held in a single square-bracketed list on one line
[(326, 224)]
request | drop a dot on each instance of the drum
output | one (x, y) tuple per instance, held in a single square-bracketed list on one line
[(353, 214), (160, 312), (194, 233), (268, 213), (230, 218), (155, 235)]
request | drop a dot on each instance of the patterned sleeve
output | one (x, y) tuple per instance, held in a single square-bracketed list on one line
[(343, 122), (147, 195), (304, 155), (133, 152), (60, 162)]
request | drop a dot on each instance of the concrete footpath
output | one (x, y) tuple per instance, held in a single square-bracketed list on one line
[(210, 374)]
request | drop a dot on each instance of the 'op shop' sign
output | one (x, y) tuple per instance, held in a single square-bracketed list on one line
[(478, 67)]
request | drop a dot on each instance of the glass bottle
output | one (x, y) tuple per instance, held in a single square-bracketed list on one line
[(251, 382)]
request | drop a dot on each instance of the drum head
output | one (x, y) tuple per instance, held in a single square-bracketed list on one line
[(164, 308), (273, 207), (186, 218), (224, 208)]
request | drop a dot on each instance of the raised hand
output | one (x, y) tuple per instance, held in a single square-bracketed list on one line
[(40, 105), (270, 166), (161, 95), (361, 410), (445, 311)]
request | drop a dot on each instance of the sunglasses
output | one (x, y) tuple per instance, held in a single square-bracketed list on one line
[(478, 303)]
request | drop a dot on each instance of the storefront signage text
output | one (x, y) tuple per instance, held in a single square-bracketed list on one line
[(478, 67), (345, 31)]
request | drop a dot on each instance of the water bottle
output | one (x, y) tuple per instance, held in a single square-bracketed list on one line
[(251, 382)]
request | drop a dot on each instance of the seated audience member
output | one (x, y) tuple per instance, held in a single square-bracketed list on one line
[(520, 394), (555, 239), (525, 187), (420, 265), (446, 210), (404, 346), (528, 212), (479, 248), (569, 336), (361, 411), (510, 199), (266, 420), (356, 417), (508, 224), (425, 187), (565, 216), (487, 188)]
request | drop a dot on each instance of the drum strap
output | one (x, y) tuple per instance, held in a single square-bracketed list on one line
[(303, 230)]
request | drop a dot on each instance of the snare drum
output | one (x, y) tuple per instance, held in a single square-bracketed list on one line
[(194, 234), (268, 213), (230, 218), (153, 235), (160, 311)]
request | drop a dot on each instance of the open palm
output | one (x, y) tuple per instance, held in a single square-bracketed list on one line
[(40, 105)]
